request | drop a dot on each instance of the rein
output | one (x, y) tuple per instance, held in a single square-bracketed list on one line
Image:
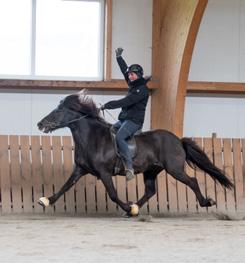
[(105, 110), (82, 117), (52, 124)]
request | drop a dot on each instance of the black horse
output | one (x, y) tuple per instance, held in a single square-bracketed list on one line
[(95, 153)]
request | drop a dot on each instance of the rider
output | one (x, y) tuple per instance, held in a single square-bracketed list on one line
[(131, 118)]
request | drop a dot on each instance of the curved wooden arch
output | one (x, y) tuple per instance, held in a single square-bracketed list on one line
[(175, 27)]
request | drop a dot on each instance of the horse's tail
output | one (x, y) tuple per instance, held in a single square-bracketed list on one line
[(195, 155)]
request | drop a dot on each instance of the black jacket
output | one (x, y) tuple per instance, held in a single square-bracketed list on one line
[(134, 104)]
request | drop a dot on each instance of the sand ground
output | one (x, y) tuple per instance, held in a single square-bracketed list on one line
[(41, 238)]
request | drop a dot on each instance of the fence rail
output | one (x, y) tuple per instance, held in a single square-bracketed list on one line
[(35, 166)]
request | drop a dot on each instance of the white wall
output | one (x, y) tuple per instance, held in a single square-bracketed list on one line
[(219, 55), (132, 21), (20, 111), (207, 114), (132, 30)]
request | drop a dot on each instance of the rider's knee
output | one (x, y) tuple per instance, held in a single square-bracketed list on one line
[(119, 139)]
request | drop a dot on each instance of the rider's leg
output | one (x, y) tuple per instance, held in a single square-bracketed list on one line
[(115, 127), (127, 129)]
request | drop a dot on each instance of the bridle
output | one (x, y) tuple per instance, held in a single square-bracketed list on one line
[(77, 119), (53, 124)]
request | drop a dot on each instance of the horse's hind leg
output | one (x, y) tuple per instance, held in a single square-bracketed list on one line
[(179, 174), (150, 184)]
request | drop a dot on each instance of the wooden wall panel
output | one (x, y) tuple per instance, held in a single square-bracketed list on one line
[(238, 175), (218, 161), (67, 170), (26, 177), (162, 192), (47, 169), (228, 168), (5, 175), (210, 184), (15, 177), (32, 167), (58, 175), (36, 171)]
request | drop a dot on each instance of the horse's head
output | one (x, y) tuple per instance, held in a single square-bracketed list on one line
[(73, 108)]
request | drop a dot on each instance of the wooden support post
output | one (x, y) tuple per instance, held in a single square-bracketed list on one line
[(178, 24)]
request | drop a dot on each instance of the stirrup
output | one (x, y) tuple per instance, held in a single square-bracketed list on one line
[(129, 174)]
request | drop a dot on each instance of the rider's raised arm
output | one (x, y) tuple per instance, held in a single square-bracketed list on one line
[(121, 62)]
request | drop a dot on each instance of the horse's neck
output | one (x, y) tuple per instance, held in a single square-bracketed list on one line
[(83, 133), (80, 134)]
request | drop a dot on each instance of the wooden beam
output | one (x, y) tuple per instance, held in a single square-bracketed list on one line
[(108, 40), (185, 66), (215, 87), (155, 68), (67, 85), (178, 24)]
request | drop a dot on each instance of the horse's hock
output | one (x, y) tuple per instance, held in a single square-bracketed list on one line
[(34, 166)]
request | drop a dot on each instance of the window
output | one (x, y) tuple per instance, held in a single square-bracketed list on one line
[(15, 44), (51, 39)]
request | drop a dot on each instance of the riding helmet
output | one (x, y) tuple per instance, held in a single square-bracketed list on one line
[(137, 69)]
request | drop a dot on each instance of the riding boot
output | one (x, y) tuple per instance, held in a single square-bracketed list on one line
[(129, 170), (129, 174)]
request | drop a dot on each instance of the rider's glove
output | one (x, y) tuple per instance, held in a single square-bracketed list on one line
[(119, 52)]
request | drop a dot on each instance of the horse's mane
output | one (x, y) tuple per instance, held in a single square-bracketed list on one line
[(83, 104)]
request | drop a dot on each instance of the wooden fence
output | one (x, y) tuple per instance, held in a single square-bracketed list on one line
[(34, 166)]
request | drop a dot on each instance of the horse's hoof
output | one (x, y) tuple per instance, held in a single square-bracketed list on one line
[(43, 201), (134, 210), (208, 202), (211, 202)]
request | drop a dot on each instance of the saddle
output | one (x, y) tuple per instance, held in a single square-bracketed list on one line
[(132, 147)]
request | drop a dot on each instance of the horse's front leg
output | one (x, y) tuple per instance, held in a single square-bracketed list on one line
[(77, 173), (110, 188)]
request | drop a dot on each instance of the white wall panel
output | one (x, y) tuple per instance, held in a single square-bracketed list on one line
[(219, 55), (132, 30), (20, 111), (216, 54), (207, 114), (15, 113)]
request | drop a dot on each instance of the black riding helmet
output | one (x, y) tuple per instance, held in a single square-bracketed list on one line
[(137, 69)]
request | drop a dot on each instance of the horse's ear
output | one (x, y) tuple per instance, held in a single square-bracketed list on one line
[(82, 93)]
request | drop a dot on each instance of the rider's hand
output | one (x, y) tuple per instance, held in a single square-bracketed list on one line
[(119, 52)]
